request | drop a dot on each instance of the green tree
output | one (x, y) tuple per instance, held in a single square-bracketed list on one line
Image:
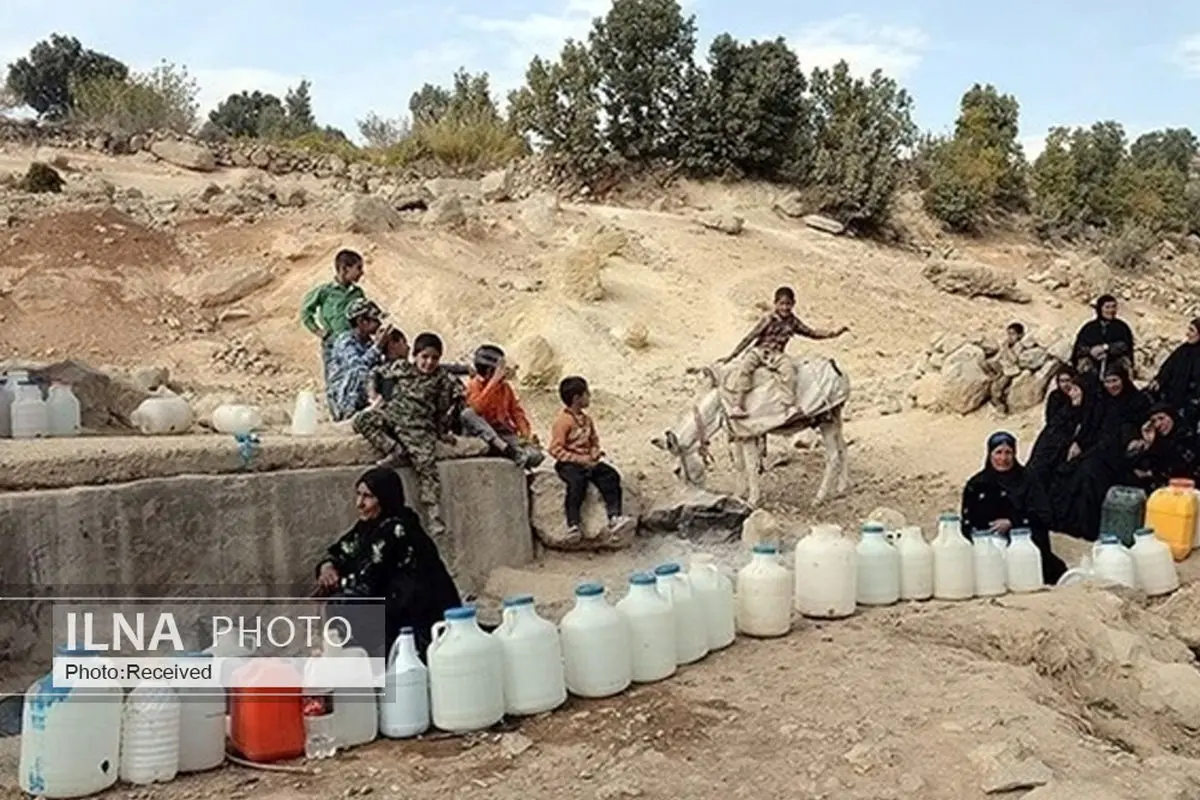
[(1175, 148), (43, 79), (643, 49), (860, 131), (468, 99), (248, 114), (752, 114), (162, 99), (298, 113), (981, 168), (383, 133), (559, 106)]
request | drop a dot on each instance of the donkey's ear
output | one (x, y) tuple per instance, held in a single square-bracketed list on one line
[(659, 442), (672, 442)]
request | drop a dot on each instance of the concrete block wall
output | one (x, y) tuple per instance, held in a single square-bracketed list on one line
[(237, 534)]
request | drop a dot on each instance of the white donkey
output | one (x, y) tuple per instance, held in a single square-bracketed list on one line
[(822, 390)]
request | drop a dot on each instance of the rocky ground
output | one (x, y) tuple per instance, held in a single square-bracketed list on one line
[(142, 268)]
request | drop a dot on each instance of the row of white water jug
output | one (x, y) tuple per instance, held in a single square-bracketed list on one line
[(26, 414), (833, 575), (76, 742)]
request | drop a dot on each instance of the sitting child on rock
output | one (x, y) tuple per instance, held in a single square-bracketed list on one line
[(575, 447), (491, 396)]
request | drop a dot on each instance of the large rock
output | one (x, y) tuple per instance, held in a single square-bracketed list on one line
[(547, 493), (224, 286), (761, 527), (824, 224), (446, 211), (730, 224), (964, 382), (926, 391), (538, 363), (972, 279), (363, 213), (497, 186), (1028, 389), (539, 213), (698, 515), (185, 154)]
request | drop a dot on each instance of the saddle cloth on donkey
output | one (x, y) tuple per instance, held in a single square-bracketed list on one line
[(820, 387)]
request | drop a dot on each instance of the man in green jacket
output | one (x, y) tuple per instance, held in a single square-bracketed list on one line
[(323, 309)]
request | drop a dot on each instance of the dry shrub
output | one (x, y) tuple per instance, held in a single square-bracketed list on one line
[(1131, 249), (461, 143)]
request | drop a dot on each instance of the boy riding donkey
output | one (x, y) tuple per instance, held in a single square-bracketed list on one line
[(766, 346)]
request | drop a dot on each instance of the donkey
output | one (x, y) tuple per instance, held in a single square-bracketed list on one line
[(690, 439)]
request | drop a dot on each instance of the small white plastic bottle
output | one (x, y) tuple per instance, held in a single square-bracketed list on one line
[(404, 704)]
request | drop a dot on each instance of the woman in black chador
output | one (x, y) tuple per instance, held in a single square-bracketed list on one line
[(387, 555), (1003, 496)]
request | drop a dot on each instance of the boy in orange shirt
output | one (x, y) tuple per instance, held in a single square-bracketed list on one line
[(575, 448), (491, 396)]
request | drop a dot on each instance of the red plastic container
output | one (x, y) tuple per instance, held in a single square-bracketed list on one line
[(266, 724)]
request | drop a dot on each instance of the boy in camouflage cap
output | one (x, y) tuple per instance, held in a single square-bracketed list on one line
[(354, 354)]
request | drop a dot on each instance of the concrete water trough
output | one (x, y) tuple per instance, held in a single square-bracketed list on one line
[(184, 516)]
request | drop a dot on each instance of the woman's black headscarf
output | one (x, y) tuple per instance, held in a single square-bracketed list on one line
[(1009, 477), (388, 489)]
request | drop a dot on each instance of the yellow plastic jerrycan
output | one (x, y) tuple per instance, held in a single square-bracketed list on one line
[(1171, 513)]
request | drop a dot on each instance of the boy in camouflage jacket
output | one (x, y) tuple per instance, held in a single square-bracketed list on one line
[(424, 405)]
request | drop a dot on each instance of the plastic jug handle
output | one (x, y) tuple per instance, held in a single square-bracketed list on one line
[(508, 618), (437, 632)]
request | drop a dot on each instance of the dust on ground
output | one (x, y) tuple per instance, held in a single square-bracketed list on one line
[(1090, 692)]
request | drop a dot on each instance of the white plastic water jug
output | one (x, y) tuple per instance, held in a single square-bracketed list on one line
[(988, 559), (878, 567), (533, 659), (1023, 562), (595, 642), (150, 734), (29, 413), (164, 413), (1153, 564), (355, 710), (404, 704), (826, 574), (953, 561), (916, 564), (236, 419), (201, 727), (691, 630), (63, 408), (764, 594), (715, 590), (70, 739), (304, 416), (6, 401), (651, 622), (1112, 563), (466, 674)]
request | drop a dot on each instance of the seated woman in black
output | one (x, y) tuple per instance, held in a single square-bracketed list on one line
[(1002, 496), (387, 555), (1163, 451), (1113, 416), (1064, 415), (1178, 381)]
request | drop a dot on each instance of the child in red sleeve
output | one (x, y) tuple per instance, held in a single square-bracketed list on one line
[(492, 397)]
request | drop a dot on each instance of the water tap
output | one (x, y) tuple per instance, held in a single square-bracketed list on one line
[(247, 444)]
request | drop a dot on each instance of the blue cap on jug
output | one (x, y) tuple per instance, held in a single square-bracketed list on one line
[(589, 589), (669, 568)]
